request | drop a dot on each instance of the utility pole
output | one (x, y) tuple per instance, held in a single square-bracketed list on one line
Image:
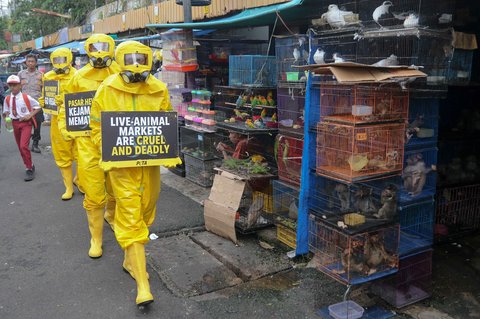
[(187, 18)]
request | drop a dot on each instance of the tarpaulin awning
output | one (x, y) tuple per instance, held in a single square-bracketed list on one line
[(247, 18), (74, 45)]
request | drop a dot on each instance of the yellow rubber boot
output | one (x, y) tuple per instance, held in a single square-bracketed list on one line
[(136, 259), (68, 182), (77, 183), (109, 215), (95, 225), (128, 269)]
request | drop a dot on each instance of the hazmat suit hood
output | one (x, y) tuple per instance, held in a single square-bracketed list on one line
[(135, 62), (100, 48), (61, 60)]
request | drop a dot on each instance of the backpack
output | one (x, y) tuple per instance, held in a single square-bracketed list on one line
[(27, 103)]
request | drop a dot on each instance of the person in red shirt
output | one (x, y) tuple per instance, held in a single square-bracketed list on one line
[(240, 142), (21, 109)]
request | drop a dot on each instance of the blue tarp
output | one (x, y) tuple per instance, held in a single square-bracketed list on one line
[(249, 17), (74, 45), (39, 43)]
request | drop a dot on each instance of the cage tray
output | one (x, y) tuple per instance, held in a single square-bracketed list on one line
[(370, 224), (241, 128), (333, 270)]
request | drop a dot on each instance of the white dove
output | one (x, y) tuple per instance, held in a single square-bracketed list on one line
[(319, 56), (390, 61), (335, 17), (338, 58), (381, 11), (411, 21), (296, 54)]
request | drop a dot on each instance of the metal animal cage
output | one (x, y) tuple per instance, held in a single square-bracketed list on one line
[(177, 56), (460, 70), (354, 258), (353, 153), (429, 50), (457, 209), (342, 44), (199, 171), (199, 144), (412, 283), (416, 226), (252, 70), (285, 204), (360, 104), (291, 51), (422, 127), (289, 158), (290, 108)]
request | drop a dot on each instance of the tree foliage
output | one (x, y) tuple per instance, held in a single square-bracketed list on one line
[(32, 25)]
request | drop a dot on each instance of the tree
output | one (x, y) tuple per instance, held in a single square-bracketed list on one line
[(33, 25)]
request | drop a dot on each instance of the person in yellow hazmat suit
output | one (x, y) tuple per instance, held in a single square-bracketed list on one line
[(64, 151), (97, 202), (136, 189)]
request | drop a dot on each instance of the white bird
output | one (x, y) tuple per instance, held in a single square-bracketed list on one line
[(445, 18), (381, 11), (296, 54), (338, 58), (319, 56), (336, 17), (411, 21), (390, 61), (305, 55)]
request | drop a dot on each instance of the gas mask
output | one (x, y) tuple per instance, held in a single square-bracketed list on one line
[(61, 59), (99, 48), (135, 60)]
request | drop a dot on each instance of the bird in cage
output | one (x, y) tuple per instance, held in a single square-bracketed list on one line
[(415, 174), (270, 100), (392, 60), (319, 56), (338, 58), (296, 54), (335, 17), (410, 18), (381, 11)]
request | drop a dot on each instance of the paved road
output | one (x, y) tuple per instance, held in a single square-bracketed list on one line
[(44, 268)]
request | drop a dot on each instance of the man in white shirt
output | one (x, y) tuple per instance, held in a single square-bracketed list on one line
[(21, 108)]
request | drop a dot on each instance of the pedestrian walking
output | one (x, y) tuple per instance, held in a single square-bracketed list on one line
[(92, 179), (136, 189), (21, 109), (64, 151), (31, 80)]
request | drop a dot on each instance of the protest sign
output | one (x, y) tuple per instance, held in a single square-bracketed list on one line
[(133, 139), (77, 112), (50, 89)]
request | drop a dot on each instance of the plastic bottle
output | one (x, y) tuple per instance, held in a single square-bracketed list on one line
[(8, 124)]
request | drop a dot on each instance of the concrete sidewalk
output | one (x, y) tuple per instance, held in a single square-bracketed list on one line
[(248, 280)]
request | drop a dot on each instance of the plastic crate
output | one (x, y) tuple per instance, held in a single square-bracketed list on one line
[(423, 121), (199, 171), (460, 69), (354, 153), (416, 227), (349, 258), (346, 310), (289, 158), (412, 283), (290, 109), (287, 236), (267, 198), (457, 209), (254, 70), (361, 103)]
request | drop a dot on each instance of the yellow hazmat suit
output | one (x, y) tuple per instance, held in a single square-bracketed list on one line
[(136, 189), (100, 50), (63, 150)]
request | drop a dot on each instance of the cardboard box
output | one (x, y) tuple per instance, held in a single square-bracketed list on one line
[(220, 209)]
